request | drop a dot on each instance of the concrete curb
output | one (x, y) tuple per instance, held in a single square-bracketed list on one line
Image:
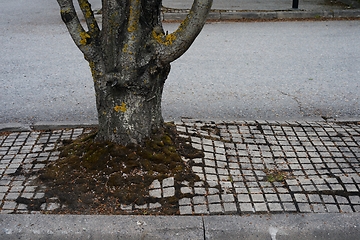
[(294, 226), (217, 15)]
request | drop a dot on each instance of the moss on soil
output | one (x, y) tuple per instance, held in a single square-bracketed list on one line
[(96, 178), (276, 175)]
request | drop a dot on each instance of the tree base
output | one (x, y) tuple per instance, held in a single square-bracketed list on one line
[(97, 178)]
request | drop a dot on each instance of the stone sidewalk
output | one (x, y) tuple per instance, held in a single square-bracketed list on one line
[(249, 167)]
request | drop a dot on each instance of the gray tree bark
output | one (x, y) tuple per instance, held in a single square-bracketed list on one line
[(129, 57)]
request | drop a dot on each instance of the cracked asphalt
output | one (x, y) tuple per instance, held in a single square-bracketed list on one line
[(254, 70)]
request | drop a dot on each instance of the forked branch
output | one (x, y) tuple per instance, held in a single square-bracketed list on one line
[(172, 46), (85, 40)]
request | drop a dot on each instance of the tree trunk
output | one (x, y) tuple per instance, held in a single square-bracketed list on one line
[(130, 114), (130, 60)]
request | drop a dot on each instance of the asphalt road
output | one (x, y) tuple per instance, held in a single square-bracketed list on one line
[(273, 70)]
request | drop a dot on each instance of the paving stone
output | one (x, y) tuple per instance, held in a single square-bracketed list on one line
[(4, 189), (21, 207), (199, 200), (341, 200), (241, 190), (296, 188), (260, 207), (155, 184), (246, 208), (126, 207), (216, 208), (227, 198), (243, 198), (52, 206), (201, 209), (200, 191), (275, 207), (9, 205), (154, 205), (257, 197), (354, 199), (230, 207), (168, 192), (197, 169), (289, 207), (345, 208), (304, 208), (156, 193), (313, 198), (186, 190), (185, 201), (271, 198), (301, 198), (213, 199), (168, 182), (318, 208), (213, 191), (12, 196), (351, 188), (144, 206), (356, 208)]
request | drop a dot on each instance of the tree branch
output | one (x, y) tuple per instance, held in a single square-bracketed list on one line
[(91, 22), (172, 46), (81, 38)]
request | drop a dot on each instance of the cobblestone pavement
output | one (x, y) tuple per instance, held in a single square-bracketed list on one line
[(248, 167)]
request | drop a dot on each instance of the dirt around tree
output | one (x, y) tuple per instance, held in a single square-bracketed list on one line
[(98, 178)]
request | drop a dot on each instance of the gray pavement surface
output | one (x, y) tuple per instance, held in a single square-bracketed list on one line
[(273, 70)]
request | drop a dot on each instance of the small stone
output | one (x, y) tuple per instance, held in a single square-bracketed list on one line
[(156, 193), (185, 190), (289, 207), (141, 206), (303, 207), (243, 198), (230, 207), (300, 197), (169, 192), (154, 205), (185, 210), (260, 207), (213, 199), (199, 200), (275, 207), (184, 201), (201, 209), (155, 184), (168, 182), (246, 208), (227, 198), (200, 191), (126, 207), (52, 206), (213, 191), (215, 208)]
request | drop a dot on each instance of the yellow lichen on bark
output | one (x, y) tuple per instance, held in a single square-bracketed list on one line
[(133, 20), (121, 108), (164, 39), (85, 5), (84, 37)]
